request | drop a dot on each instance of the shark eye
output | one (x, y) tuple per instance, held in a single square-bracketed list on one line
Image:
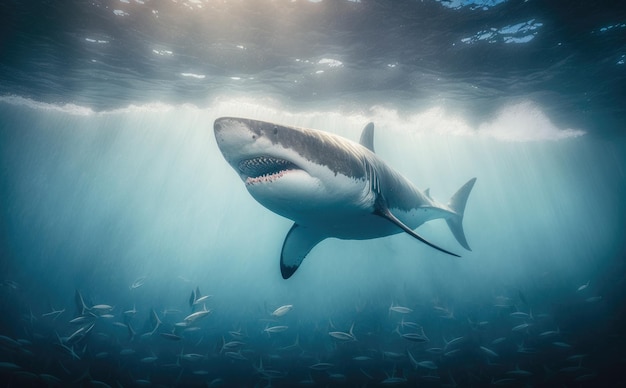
[(275, 130)]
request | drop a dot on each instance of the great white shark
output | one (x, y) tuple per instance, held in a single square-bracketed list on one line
[(330, 186)]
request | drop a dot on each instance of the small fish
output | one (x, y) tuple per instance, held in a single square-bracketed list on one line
[(444, 312), (98, 384), (452, 353), (394, 381), (24, 377), (155, 321), (193, 296), (586, 377), (525, 350), (232, 345), (520, 315), (192, 357), (411, 325), (138, 282), (171, 336), (202, 299), (282, 310), (453, 342), (197, 315), (10, 283), (237, 334), (522, 327), (275, 329), (25, 342), (412, 359), (593, 299), (273, 374), (50, 380), (321, 366), (82, 319), (131, 313), (571, 369), (54, 313), (343, 336), (167, 312), (183, 279), (131, 332), (498, 340), (400, 309), (430, 378), (149, 359), (503, 302), (80, 303), (79, 334), (550, 333), (427, 365), (8, 342), (127, 352), (583, 287), (9, 366), (196, 297), (392, 355), (576, 357), (517, 372), (489, 352), (337, 377), (415, 337), (102, 308), (291, 347), (505, 381), (68, 350)]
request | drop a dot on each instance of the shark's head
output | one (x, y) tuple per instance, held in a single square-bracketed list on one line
[(294, 171)]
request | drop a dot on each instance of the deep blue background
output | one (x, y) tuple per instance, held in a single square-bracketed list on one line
[(109, 172)]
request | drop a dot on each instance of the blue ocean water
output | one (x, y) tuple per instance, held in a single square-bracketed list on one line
[(119, 213)]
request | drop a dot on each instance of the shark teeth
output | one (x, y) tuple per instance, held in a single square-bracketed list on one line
[(265, 167)]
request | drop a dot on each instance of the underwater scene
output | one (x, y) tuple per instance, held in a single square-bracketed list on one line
[(200, 193)]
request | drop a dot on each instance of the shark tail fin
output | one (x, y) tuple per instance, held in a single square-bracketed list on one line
[(457, 205)]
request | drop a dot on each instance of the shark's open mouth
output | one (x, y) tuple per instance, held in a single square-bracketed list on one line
[(265, 168)]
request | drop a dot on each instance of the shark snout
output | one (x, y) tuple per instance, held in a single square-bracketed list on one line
[(220, 125), (231, 133)]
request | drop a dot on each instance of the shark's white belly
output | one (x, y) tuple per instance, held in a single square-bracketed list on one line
[(365, 225)]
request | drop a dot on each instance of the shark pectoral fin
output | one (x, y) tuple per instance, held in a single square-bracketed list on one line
[(367, 137), (298, 243), (383, 211)]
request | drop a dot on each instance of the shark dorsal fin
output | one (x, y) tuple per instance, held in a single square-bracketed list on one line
[(367, 137), (427, 193)]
